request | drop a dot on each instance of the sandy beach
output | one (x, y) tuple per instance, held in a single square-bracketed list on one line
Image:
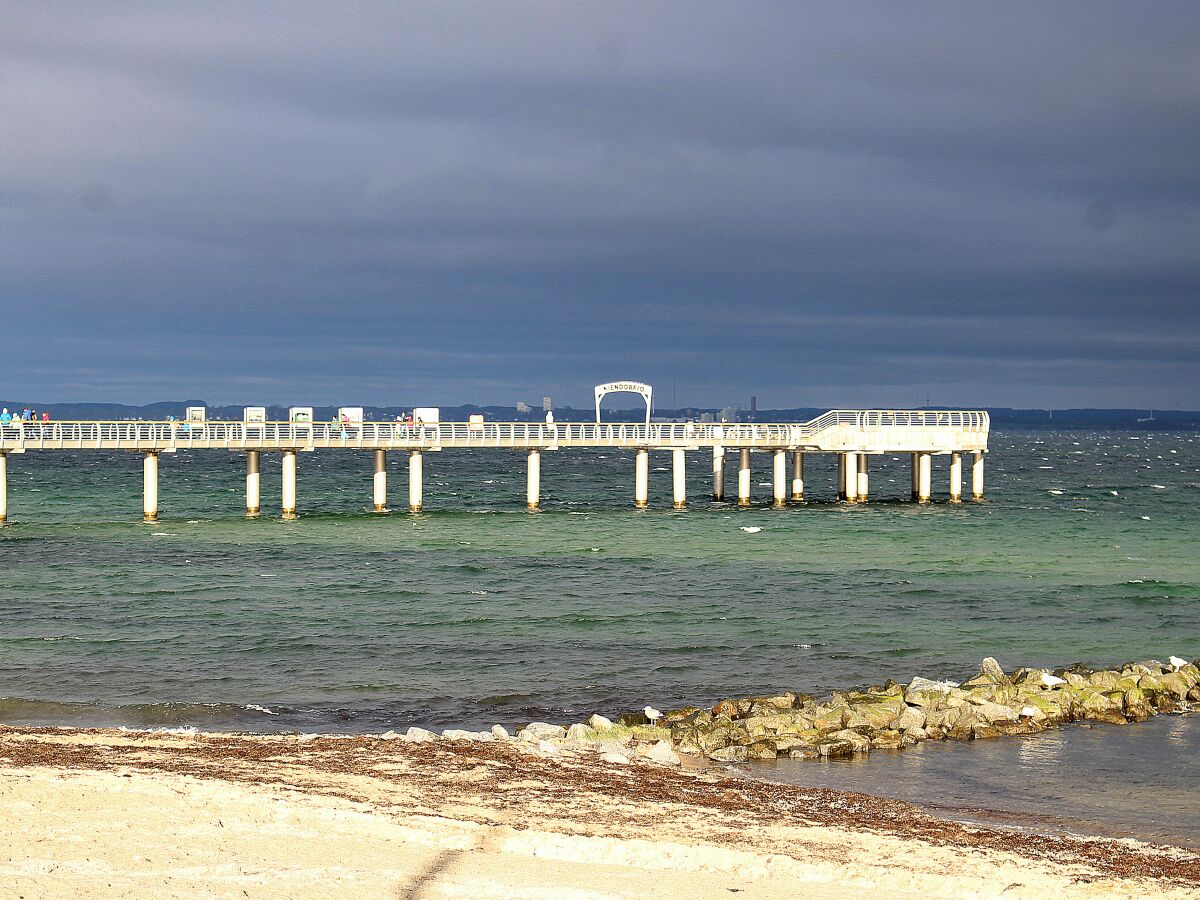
[(113, 813)]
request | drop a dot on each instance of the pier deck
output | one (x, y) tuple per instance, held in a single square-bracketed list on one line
[(854, 435)]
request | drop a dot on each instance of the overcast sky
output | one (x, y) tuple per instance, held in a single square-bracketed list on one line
[(824, 205)]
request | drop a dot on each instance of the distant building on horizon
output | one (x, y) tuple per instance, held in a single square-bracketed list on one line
[(547, 404), (523, 407)]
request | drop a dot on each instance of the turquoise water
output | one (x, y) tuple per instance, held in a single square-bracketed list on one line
[(477, 612)]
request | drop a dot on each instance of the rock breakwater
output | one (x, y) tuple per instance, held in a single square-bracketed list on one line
[(990, 704)]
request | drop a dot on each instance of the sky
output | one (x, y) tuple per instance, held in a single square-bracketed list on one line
[(828, 204)]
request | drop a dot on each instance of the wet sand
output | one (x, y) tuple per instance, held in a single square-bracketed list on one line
[(112, 813)]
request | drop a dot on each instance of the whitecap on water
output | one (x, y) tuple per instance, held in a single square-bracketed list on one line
[(751, 529), (1159, 487), (1055, 493), (1146, 518), (1114, 493), (261, 709)]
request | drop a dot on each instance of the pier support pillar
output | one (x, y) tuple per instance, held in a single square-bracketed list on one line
[(956, 478), (779, 484), (150, 487), (416, 480), (289, 484), (744, 477), (679, 478), (841, 476), (864, 486), (533, 479), (849, 470), (641, 478), (253, 484), (924, 477), (379, 482), (3, 488), (916, 475), (797, 475), (977, 475), (718, 473)]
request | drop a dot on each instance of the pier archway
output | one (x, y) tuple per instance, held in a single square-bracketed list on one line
[(625, 387)]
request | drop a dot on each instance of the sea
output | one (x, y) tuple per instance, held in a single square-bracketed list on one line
[(476, 611)]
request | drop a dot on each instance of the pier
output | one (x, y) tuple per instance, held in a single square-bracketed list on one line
[(854, 436)]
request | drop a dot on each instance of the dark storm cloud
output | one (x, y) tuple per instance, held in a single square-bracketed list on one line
[(824, 204)]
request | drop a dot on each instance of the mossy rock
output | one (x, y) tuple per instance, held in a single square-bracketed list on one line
[(715, 739), (761, 750), (1105, 681), (683, 714), (831, 718), (1176, 684), (1137, 707), (888, 739), (832, 748), (803, 753), (786, 743), (729, 754), (687, 740), (725, 708)]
